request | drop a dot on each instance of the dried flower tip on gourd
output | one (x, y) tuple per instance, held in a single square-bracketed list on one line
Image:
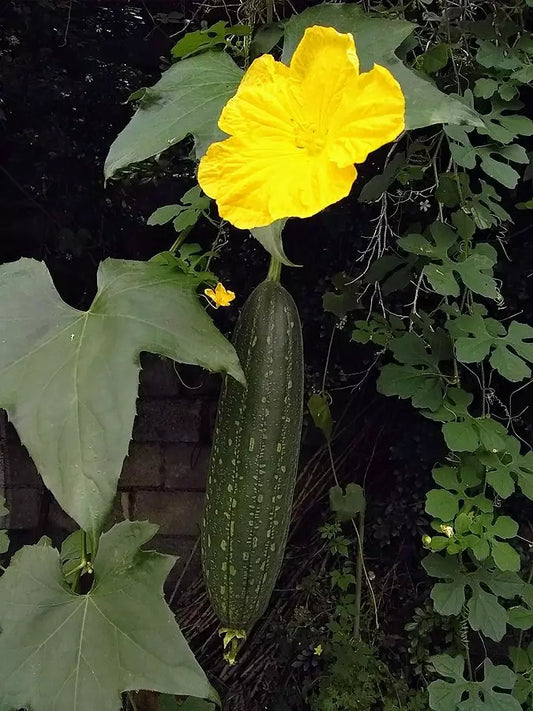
[(220, 296)]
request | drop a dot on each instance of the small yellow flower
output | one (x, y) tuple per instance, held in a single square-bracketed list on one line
[(318, 650), (220, 296), (296, 131), (447, 530)]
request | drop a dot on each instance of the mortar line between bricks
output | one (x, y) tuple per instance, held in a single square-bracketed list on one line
[(178, 536), (152, 489), (180, 398)]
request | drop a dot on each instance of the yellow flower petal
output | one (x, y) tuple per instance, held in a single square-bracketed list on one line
[(256, 183), (322, 65), (297, 131), (262, 102), (374, 119)]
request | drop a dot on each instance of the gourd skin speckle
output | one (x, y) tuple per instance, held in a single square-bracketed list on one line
[(254, 460)]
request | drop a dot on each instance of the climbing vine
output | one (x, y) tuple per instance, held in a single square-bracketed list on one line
[(452, 345)]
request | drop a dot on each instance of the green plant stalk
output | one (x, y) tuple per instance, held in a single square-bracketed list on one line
[(360, 557), (85, 564), (464, 637), (77, 569), (77, 576), (274, 269), (180, 239), (83, 555), (468, 661), (359, 576), (269, 11)]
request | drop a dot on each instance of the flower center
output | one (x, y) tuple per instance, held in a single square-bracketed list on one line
[(309, 139)]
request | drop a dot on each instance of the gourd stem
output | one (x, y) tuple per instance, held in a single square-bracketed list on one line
[(274, 270)]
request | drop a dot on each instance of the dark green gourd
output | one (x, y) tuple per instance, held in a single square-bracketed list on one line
[(254, 461)]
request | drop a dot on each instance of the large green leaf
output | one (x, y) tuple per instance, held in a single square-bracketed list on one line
[(485, 612), (475, 271), (508, 465), (446, 503), (376, 39), (465, 153), (419, 377), (480, 696), (68, 378), (61, 651), (462, 431), (187, 100), (510, 351), (470, 434)]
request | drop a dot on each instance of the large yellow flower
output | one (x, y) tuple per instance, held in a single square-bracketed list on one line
[(296, 131)]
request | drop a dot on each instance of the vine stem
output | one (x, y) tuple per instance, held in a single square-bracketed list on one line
[(359, 577), (83, 547), (326, 364), (77, 569), (466, 644), (360, 564), (464, 639), (180, 239), (414, 311), (367, 577), (469, 664), (77, 572), (436, 172), (269, 11)]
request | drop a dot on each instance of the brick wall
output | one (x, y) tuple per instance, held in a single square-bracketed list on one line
[(164, 474)]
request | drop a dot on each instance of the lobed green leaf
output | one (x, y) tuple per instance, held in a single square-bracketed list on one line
[(71, 652), (69, 378)]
